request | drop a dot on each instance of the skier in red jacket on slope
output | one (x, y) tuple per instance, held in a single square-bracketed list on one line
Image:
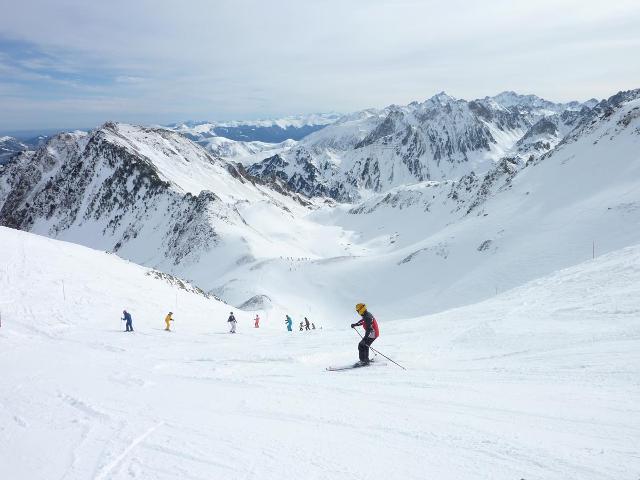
[(371, 332)]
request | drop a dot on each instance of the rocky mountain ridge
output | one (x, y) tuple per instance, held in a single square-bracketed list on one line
[(440, 138)]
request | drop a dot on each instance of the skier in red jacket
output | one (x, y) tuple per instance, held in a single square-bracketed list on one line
[(371, 332)]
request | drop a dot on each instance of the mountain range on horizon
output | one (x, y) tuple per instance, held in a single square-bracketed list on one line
[(266, 130)]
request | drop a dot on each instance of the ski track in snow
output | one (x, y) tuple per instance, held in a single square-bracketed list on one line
[(541, 382), (107, 469)]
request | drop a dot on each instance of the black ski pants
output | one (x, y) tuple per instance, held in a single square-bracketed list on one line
[(363, 348), (129, 327)]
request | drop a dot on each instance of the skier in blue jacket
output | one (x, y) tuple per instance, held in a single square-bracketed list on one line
[(289, 323), (127, 316)]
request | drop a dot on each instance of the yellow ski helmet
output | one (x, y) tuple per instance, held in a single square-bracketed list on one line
[(361, 308)]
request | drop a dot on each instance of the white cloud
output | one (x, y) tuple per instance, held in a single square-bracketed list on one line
[(236, 58), (129, 79)]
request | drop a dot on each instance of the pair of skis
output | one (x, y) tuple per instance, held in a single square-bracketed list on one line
[(351, 366)]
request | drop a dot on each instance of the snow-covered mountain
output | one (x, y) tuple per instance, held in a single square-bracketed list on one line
[(245, 153), (10, 146), (267, 131), (151, 196), (440, 138), (536, 105)]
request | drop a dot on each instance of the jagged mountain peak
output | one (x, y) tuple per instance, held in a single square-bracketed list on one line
[(592, 102), (441, 98), (621, 97), (623, 107), (510, 98)]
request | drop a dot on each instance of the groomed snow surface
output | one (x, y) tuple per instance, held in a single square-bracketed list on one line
[(540, 382)]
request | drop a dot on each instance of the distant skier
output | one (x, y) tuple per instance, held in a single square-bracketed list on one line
[(371, 332), (232, 320), (313, 326), (301, 326), (257, 321), (289, 323), (307, 324), (167, 320), (127, 316)]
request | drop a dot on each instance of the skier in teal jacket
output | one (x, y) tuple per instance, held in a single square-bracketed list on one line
[(289, 323)]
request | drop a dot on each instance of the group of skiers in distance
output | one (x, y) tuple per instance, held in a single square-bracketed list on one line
[(305, 325), (367, 321)]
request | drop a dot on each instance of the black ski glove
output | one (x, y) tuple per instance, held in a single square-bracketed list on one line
[(354, 325)]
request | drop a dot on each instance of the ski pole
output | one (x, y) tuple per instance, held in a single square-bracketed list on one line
[(379, 353)]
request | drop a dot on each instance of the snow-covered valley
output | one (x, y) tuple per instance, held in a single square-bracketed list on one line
[(540, 382)]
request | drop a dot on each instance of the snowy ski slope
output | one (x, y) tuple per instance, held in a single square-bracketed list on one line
[(540, 382)]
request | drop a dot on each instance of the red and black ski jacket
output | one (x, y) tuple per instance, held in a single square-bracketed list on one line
[(370, 325)]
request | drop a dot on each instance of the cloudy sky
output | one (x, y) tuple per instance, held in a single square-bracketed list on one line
[(68, 63)]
